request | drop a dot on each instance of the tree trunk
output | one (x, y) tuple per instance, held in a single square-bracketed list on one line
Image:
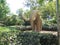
[(58, 20)]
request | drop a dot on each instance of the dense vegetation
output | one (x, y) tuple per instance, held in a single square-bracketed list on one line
[(15, 37), (47, 10), (10, 35)]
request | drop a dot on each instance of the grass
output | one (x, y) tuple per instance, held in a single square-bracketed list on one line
[(6, 29)]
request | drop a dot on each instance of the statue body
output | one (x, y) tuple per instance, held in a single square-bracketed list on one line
[(35, 21)]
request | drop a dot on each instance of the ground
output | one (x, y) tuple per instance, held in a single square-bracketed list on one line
[(51, 32), (7, 29)]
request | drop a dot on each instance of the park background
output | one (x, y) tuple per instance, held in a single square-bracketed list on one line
[(15, 30)]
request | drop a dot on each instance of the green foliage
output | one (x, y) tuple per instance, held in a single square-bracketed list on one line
[(7, 29), (7, 37), (13, 20), (32, 4), (27, 38), (10, 35), (47, 10), (20, 13), (4, 29), (4, 9), (27, 13), (40, 1), (34, 38), (51, 27)]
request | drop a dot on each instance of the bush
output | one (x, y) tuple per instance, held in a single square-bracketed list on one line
[(26, 23), (27, 38), (13, 20), (6, 38), (52, 27), (33, 38), (45, 27)]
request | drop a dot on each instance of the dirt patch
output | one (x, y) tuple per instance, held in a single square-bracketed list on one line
[(50, 32)]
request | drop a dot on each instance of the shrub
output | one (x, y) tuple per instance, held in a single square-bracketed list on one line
[(33, 38), (26, 23), (52, 27), (45, 27), (6, 38), (27, 38), (13, 20)]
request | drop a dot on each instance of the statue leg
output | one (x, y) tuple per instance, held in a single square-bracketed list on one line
[(33, 25), (35, 28), (39, 26)]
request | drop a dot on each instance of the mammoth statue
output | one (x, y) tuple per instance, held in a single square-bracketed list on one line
[(35, 21)]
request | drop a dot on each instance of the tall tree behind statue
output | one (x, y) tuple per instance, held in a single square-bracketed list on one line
[(4, 9)]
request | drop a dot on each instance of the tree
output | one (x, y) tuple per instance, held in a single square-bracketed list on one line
[(49, 12), (35, 3), (32, 4), (4, 9), (47, 9), (20, 13), (58, 19)]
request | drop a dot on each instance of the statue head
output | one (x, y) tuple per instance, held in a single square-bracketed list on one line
[(34, 14)]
